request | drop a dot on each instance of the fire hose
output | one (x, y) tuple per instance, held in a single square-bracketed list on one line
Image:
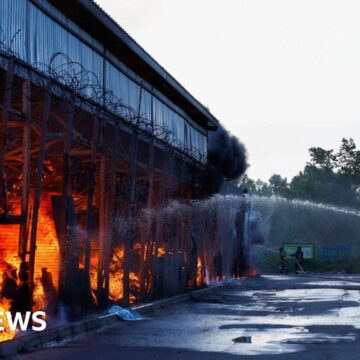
[(278, 252)]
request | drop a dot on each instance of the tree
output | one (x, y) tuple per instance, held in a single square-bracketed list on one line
[(278, 185), (321, 158), (257, 187), (348, 159), (246, 183), (263, 188), (328, 177)]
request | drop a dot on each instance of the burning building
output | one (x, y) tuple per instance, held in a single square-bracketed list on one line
[(102, 154)]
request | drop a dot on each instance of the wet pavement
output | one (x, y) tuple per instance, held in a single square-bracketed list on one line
[(268, 317)]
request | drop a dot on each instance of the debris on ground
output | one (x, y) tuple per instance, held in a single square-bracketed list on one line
[(125, 314)]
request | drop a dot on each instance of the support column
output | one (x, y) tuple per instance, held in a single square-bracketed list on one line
[(23, 236), (145, 274), (90, 200), (3, 134), (102, 226), (37, 192), (67, 183), (110, 213), (131, 214)]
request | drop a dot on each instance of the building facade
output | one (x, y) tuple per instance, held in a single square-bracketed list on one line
[(97, 142)]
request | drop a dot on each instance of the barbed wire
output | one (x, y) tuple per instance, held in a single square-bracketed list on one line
[(7, 45), (69, 80)]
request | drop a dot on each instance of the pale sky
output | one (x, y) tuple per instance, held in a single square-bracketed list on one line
[(281, 75)]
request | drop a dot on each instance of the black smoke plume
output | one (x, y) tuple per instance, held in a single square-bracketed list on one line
[(227, 158)]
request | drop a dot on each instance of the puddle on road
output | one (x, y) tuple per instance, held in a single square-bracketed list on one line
[(284, 329), (242, 340), (302, 295), (249, 307), (336, 283), (292, 335), (292, 329), (280, 277)]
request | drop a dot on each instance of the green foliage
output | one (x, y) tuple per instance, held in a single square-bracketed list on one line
[(329, 177), (323, 159), (278, 185), (348, 159)]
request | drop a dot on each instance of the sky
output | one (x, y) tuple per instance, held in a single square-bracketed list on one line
[(281, 75)]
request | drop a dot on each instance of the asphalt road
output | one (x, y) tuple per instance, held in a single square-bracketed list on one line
[(271, 317)]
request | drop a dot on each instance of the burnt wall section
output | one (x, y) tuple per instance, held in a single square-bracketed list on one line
[(94, 210), (88, 212)]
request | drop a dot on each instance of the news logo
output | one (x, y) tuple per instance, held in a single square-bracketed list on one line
[(14, 321)]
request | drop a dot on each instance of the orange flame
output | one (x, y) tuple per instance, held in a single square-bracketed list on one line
[(47, 255), (161, 251), (7, 334), (251, 272), (116, 290), (199, 272), (116, 276)]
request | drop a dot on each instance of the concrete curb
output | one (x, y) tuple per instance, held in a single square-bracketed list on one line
[(38, 340)]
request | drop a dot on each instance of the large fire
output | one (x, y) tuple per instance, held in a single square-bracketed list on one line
[(116, 289), (116, 275), (47, 261), (47, 256)]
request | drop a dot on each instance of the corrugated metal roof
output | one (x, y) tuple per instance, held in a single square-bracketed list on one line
[(167, 76), (194, 106)]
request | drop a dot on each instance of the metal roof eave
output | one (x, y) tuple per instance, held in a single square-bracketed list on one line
[(111, 26)]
